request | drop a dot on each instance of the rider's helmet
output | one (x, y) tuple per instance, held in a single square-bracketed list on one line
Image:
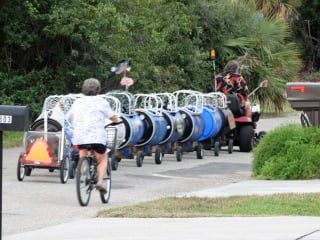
[(91, 87)]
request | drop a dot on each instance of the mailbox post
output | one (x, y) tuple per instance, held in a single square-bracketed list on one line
[(12, 118)]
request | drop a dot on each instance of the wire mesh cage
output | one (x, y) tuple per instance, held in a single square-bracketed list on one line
[(189, 98), (215, 99), (113, 141), (114, 103), (149, 102), (126, 99)]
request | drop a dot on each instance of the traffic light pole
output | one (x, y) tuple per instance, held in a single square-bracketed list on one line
[(1, 165), (213, 59)]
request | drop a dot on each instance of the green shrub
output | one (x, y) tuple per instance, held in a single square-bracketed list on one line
[(288, 152)]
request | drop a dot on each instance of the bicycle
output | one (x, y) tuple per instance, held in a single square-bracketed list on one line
[(86, 172)]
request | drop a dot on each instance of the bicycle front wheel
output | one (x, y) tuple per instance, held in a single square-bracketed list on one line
[(105, 196), (83, 179)]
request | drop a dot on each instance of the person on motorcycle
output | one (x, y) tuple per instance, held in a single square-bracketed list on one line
[(87, 117), (231, 82)]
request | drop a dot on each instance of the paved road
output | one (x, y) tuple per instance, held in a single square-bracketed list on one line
[(41, 200)]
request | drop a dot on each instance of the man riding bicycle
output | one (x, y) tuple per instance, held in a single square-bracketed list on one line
[(87, 116)]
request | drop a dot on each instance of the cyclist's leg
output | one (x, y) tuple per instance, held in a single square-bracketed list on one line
[(82, 151), (102, 159), (102, 165)]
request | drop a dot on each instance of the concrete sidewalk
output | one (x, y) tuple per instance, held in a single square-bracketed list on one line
[(260, 187), (234, 228), (220, 228)]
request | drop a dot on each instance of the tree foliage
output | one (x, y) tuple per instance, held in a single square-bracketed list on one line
[(49, 46), (308, 33)]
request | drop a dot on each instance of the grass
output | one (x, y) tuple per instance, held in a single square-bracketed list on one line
[(269, 205), (12, 139)]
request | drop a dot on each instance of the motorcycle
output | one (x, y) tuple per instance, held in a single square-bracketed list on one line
[(240, 126), (245, 134)]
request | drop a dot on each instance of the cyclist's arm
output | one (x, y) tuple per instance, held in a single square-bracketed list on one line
[(116, 119)]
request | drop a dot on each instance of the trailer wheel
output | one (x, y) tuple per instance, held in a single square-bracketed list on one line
[(139, 159), (20, 171), (216, 148), (179, 153), (230, 146), (158, 156), (200, 151), (246, 138), (72, 169), (53, 125), (114, 162)]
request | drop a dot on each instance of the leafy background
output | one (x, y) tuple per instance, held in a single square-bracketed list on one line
[(49, 47)]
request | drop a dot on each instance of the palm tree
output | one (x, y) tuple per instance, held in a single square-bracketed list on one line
[(266, 53), (285, 9)]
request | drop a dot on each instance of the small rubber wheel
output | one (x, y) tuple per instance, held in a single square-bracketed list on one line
[(21, 171), (216, 148), (179, 153), (114, 162), (72, 169), (200, 151), (139, 159), (158, 156), (230, 146)]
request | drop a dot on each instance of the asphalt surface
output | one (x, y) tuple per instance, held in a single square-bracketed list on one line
[(246, 228), (222, 228)]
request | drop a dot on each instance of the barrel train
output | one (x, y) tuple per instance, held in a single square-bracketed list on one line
[(159, 124)]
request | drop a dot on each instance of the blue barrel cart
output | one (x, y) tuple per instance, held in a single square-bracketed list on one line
[(157, 126), (176, 125), (133, 129), (223, 122), (190, 105), (116, 134)]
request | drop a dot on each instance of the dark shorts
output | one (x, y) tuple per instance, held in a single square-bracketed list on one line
[(99, 148)]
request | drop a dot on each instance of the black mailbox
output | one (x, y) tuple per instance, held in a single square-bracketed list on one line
[(304, 95), (14, 118)]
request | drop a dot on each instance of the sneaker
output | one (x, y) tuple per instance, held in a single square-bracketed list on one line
[(100, 188)]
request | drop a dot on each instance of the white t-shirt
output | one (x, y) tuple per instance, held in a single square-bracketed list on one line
[(87, 116)]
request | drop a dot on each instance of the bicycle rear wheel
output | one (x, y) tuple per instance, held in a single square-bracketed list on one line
[(107, 185), (83, 179)]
